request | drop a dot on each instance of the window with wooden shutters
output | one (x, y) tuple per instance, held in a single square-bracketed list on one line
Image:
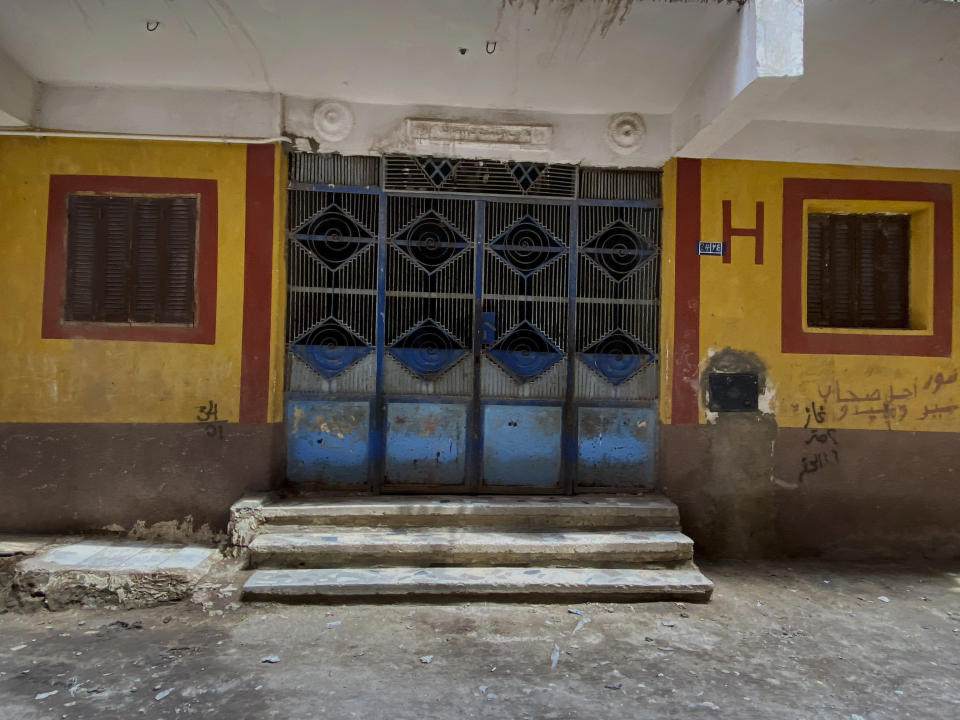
[(131, 259), (858, 270)]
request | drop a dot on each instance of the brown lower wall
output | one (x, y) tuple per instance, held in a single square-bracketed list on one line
[(738, 483), (78, 477), (742, 493)]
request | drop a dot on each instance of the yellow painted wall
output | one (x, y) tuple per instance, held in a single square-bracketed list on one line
[(740, 309), (53, 380)]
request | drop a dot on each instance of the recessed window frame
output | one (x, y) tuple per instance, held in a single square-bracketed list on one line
[(931, 273), (131, 259), (920, 260), (203, 329), (875, 276)]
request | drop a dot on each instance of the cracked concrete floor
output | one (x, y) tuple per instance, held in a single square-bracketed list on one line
[(779, 640)]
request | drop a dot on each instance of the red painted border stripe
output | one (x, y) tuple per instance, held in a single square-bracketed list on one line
[(686, 323), (794, 339), (257, 277), (203, 331)]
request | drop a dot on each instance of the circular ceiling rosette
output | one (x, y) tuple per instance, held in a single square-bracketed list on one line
[(330, 349), (525, 353), (618, 250), (526, 246), (427, 350), (334, 237)]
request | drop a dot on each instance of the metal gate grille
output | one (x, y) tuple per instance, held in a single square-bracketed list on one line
[(618, 308), (429, 295), (443, 340), (525, 300), (331, 289)]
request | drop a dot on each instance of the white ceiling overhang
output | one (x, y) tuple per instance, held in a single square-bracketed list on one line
[(775, 79)]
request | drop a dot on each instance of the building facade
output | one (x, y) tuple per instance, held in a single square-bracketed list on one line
[(729, 282)]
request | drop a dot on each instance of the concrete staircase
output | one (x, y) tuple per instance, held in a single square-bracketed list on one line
[(390, 548)]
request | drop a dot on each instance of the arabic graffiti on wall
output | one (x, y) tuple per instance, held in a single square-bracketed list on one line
[(822, 448), (921, 400)]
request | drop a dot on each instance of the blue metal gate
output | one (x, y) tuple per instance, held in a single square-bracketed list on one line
[(471, 326)]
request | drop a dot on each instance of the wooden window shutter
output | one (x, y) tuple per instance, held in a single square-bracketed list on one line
[(857, 270), (116, 281), (869, 226), (83, 269), (840, 266), (131, 259), (892, 271), (815, 270), (180, 298), (148, 273)]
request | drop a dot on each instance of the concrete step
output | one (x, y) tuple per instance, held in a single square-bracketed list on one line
[(329, 547), (529, 513), (498, 583)]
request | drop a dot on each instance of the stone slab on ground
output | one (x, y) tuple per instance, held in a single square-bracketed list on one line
[(103, 572), (457, 583), (311, 546), (11, 545)]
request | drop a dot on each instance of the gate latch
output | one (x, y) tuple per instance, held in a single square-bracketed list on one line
[(488, 328)]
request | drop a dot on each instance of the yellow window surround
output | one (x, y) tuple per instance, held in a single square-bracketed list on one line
[(920, 280)]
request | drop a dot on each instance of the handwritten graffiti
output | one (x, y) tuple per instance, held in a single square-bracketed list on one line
[(817, 461), (208, 418), (891, 404), (815, 412), (822, 436), (924, 400), (822, 445)]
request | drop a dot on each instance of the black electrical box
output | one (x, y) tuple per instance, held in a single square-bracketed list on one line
[(733, 392)]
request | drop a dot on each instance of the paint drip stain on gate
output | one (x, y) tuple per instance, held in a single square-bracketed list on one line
[(338, 427), (428, 424)]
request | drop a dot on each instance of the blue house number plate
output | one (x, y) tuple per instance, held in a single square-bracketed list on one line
[(709, 248)]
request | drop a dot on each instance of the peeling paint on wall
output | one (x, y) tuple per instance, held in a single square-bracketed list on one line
[(729, 360), (169, 531)]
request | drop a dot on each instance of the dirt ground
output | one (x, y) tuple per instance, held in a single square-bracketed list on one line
[(790, 640)]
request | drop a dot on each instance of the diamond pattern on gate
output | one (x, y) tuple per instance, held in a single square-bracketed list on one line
[(618, 250), (333, 237), (527, 246), (437, 170), (525, 353), (427, 350), (616, 357), (431, 241), (330, 348), (525, 173)]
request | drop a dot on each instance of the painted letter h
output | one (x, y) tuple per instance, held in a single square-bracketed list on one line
[(755, 232)]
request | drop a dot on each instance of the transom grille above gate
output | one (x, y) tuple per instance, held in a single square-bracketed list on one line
[(479, 177), (468, 325)]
